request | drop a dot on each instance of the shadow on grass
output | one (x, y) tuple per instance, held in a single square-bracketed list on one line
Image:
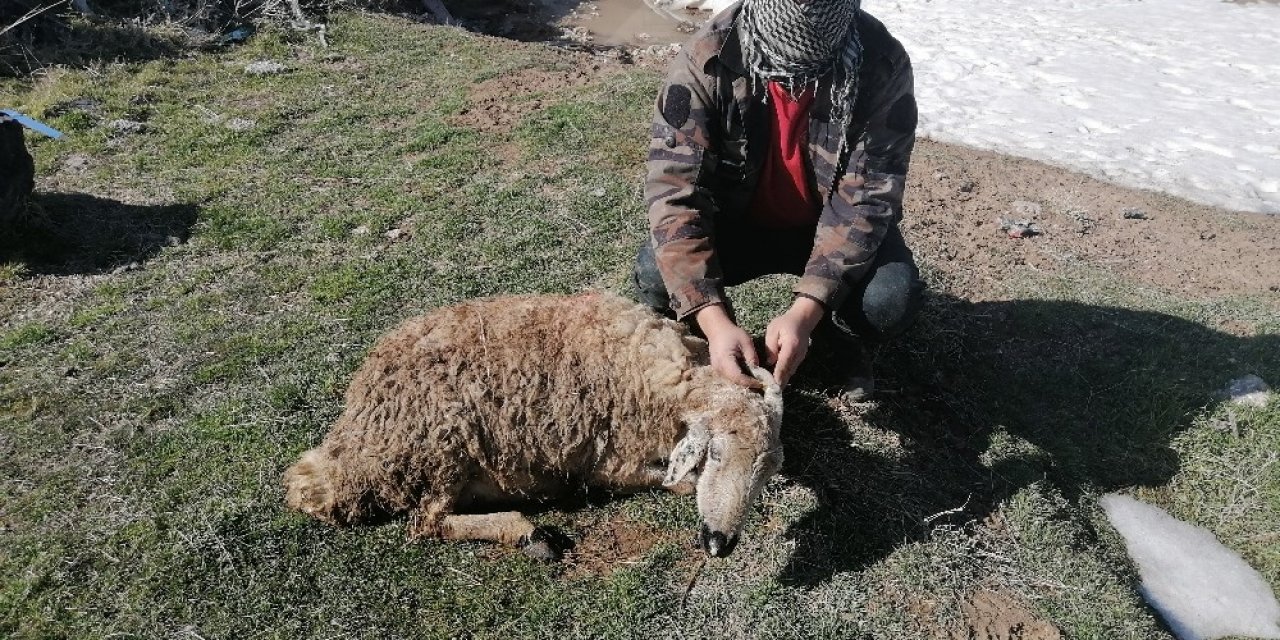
[(80, 43), (989, 397), (122, 34), (77, 233)]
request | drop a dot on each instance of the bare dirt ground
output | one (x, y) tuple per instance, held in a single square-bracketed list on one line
[(614, 543), (496, 112), (956, 197), (995, 615)]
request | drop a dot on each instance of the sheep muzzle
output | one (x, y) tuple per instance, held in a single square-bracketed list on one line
[(716, 544)]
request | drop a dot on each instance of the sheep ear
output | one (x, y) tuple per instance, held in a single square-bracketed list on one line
[(772, 394), (687, 454)]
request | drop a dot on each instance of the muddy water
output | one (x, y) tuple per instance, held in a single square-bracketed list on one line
[(627, 22)]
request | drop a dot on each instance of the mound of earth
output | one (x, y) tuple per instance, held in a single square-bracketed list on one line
[(993, 615)]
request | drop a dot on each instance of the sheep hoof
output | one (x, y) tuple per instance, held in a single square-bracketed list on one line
[(541, 551), (542, 545)]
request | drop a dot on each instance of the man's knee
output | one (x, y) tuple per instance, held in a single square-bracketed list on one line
[(887, 305), (646, 282), (892, 298)]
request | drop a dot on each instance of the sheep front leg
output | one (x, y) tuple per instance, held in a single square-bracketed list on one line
[(650, 476), (505, 527)]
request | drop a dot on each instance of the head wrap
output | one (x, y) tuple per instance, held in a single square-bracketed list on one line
[(796, 42)]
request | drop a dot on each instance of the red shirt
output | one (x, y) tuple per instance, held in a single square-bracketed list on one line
[(784, 196)]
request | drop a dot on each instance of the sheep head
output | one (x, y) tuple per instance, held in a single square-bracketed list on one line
[(731, 449)]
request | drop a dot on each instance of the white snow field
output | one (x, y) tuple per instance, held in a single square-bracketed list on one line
[(1202, 589), (1180, 96)]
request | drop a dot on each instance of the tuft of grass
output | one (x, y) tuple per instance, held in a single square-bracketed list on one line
[(27, 335)]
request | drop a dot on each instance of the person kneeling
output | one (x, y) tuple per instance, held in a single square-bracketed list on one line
[(780, 144)]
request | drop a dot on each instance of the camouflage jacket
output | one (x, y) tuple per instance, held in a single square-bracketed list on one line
[(708, 144)]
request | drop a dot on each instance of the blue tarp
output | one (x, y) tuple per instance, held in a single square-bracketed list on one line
[(30, 123)]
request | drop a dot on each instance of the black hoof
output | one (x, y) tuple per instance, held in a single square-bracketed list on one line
[(541, 551), (545, 545)]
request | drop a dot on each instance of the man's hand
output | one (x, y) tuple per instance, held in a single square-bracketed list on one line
[(729, 345), (787, 337)]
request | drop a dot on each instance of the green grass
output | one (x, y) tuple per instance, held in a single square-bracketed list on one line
[(27, 335), (146, 413)]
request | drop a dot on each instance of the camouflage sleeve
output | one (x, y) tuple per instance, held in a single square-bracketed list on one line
[(679, 206), (867, 199)]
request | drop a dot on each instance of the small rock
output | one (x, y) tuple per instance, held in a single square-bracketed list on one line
[(76, 162), (939, 176), (1228, 422), (82, 105), (967, 186), (1084, 223), (653, 52), (1135, 214), (1019, 228), (240, 124), (396, 234), (1248, 391), (125, 268), (362, 230), (1207, 235), (236, 36), (265, 68), (598, 192), (1026, 209), (580, 35), (127, 126)]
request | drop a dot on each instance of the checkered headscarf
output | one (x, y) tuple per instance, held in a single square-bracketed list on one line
[(795, 42)]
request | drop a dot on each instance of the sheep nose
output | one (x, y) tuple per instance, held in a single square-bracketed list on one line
[(716, 544)]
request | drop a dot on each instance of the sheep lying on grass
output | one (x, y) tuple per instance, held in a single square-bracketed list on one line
[(529, 397)]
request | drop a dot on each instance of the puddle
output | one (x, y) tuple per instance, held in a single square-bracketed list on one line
[(629, 22), (602, 23)]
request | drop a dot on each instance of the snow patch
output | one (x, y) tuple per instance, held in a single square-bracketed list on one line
[(1202, 589), (1170, 95)]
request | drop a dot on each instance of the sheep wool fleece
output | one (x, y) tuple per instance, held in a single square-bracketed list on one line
[(504, 398)]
